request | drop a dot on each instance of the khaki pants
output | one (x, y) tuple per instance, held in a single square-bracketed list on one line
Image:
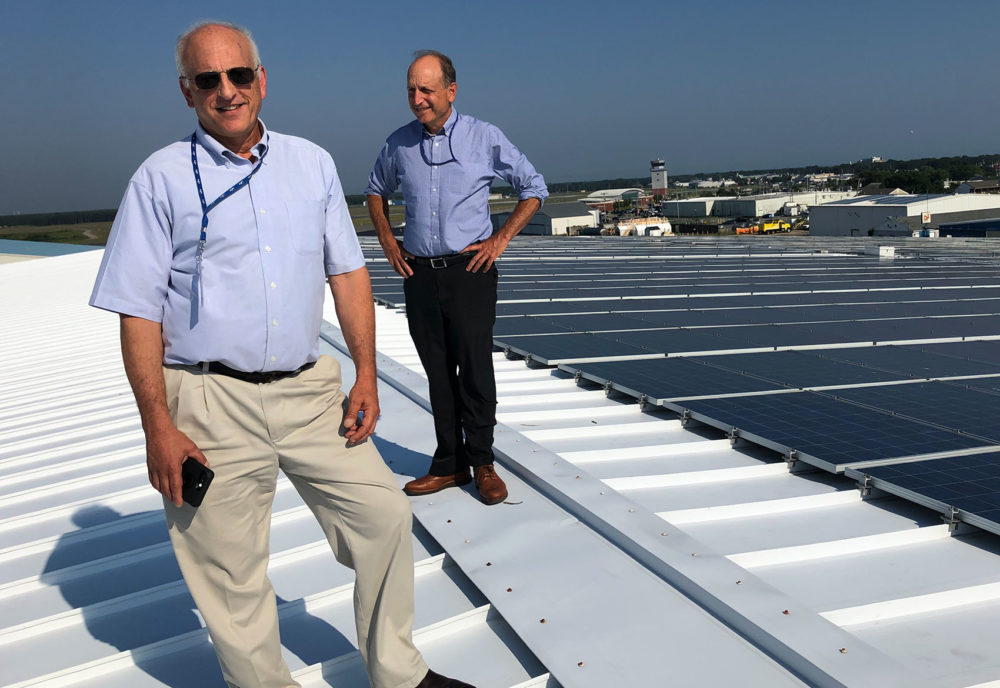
[(249, 431)]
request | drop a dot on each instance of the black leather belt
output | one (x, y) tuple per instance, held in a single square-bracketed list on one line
[(256, 378), (438, 262)]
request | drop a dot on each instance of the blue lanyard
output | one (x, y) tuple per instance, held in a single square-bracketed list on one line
[(205, 207)]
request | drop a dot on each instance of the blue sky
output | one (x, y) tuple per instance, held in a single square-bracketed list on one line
[(586, 89)]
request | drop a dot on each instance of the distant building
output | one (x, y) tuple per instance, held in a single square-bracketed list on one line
[(748, 206), (876, 189), (692, 207), (861, 216), (658, 177), (963, 223), (555, 219), (983, 186), (605, 199)]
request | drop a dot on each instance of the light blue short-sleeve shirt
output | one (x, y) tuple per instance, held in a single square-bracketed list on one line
[(257, 302)]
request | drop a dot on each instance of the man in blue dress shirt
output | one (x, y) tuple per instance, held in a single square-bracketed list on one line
[(444, 162), (216, 264)]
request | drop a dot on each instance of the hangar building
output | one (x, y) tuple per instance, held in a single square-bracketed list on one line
[(860, 216), (554, 218)]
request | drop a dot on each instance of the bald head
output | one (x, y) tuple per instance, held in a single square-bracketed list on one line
[(443, 62), (215, 30)]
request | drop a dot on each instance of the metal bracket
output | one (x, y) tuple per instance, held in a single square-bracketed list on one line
[(791, 459), (643, 400), (951, 518), (607, 388), (734, 436), (577, 376), (685, 418), (506, 352), (865, 486)]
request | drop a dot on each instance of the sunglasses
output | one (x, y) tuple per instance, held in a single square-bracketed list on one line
[(238, 76)]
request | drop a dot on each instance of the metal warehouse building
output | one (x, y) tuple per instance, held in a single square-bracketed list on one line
[(747, 206), (692, 207), (554, 218), (860, 216)]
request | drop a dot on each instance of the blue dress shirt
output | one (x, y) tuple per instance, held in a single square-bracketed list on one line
[(269, 249), (445, 180)]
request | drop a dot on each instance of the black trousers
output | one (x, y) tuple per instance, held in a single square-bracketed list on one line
[(451, 313)]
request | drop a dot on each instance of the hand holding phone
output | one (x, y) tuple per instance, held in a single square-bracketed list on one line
[(195, 477)]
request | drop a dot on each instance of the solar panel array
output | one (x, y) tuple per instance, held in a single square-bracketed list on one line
[(886, 369)]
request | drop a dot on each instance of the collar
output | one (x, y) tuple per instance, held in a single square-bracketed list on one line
[(221, 155), (446, 130)]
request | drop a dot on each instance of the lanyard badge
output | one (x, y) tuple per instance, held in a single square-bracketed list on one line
[(206, 207)]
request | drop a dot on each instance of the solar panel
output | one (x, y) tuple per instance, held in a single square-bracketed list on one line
[(985, 384), (960, 409), (983, 351), (970, 484), (800, 369), (824, 431), (670, 378), (505, 327), (553, 349), (912, 361)]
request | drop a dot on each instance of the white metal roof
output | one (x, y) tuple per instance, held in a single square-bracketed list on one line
[(656, 554), (608, 195), (927, 202)]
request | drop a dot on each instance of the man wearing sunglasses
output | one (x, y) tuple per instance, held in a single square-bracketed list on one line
[(216, 264), (444, 162)]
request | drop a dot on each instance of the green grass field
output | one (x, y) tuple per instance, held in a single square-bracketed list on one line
[(85, 233)]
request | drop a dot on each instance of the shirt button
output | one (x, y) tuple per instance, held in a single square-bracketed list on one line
[(435, 167), (435, 144), (262, 211), (273, 285), (434, 213), (273, 359), (267, 248), (433, 188), (274, 322)]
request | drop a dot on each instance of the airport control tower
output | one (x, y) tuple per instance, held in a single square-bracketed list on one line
[(658, 173)]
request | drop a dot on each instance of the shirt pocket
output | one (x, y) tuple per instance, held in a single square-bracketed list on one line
[(307, 225)]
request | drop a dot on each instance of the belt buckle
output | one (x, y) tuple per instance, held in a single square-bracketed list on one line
[(439, 262)]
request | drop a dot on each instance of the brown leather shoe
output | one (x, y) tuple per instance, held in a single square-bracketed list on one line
[(429, 484), (490, 486), (432, 680)]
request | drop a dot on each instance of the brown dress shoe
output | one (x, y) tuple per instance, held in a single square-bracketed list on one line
[(490, 486), (429, 484), (432, 680)]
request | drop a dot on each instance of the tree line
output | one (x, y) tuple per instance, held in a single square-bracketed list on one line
[(73, 217)]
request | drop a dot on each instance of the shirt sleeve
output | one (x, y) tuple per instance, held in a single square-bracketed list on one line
[(135, 270), (382, 180), (512, 166), (341, 249)]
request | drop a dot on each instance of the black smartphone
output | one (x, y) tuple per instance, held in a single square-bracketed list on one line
[(196, 478)]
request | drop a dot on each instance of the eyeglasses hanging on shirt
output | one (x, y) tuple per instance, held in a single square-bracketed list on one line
[(206, 207), (428, 154)]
